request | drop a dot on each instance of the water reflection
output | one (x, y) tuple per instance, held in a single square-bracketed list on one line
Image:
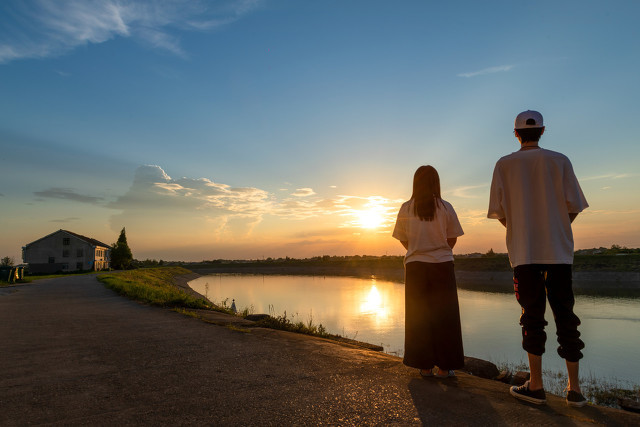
[(374, 305), (373, 311)]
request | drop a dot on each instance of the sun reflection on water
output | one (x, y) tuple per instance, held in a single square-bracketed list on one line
[(373, 304)]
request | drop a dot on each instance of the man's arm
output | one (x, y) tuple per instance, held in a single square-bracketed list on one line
[(503, 221), (572, 216), (405, 244)]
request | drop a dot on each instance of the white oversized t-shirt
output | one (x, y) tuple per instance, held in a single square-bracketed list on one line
[(427, 239), (535, 191)]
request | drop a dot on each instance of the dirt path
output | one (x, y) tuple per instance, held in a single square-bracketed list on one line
[(75, 353)]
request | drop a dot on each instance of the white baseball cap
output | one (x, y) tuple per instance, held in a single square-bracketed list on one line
[(528, 119)]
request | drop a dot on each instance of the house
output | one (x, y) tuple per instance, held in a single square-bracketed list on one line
[(65, 251)]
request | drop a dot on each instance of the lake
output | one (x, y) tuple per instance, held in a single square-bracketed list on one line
[(371, 310)]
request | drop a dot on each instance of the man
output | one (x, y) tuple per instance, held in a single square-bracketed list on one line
[(536, 196)]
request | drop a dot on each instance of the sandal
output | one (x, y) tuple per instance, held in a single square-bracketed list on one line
[(426, 373), (450, 373)]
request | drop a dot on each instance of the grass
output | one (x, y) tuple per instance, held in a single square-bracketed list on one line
[(153, 286), (285, 323)]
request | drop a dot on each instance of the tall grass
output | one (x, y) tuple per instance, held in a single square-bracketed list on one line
[(289, 323), (153, 286)]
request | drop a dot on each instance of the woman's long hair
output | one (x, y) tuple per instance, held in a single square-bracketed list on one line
[(426, 193)]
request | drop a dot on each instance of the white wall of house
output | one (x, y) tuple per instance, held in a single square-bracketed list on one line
[(61, 251)]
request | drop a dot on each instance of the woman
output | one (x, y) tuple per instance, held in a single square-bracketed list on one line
[(428, 228)]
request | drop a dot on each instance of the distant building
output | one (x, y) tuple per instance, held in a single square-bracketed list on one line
[(66, 251)]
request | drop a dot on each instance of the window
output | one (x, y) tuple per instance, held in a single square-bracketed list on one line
[(79, 266), (52, 260), (65, 266), (65, 253), (66, 241), (79, 253)]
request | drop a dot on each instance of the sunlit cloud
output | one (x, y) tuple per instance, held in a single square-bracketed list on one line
[(463, 192), (50, 28), (153, 188), (67, 194), (332, 232), (374, 212), (65, 220), (472, 217), (303, 192), (490, 70), (611, 212), (156, 200), (610, 176)]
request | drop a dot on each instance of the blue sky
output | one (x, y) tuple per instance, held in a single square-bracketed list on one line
[(242, 129)]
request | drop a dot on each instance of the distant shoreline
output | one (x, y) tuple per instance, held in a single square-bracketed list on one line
[(606, 283)]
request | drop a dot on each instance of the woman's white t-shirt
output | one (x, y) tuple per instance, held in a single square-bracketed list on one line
[(427, 240)]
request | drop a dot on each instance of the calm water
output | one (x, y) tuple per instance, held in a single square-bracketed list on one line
[(373, 311)]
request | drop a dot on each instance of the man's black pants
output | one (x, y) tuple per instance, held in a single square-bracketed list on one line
[(533, 284)]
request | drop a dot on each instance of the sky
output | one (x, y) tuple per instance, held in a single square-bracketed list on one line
[(247, 129)]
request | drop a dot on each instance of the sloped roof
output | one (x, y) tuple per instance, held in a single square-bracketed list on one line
[(89, 240)]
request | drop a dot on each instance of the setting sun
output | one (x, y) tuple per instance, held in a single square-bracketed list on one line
[(370, 219)]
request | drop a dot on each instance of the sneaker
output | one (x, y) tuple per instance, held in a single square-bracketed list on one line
[(533, 396), (575, 399)]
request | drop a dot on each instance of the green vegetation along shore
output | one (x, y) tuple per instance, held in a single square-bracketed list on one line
[(594, 273), (166, 287)]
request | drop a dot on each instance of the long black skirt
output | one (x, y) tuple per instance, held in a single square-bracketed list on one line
[(433, 336)]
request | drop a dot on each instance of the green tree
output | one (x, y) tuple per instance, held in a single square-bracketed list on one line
[(6, 262), (121, 257)]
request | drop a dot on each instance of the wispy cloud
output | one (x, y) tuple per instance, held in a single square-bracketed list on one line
[(472, 217), (490, 70), (463, 192), (43, 28), (303, 192), (152, 188), (200, 203), (611, 212), (65, 220), (610, 176), (67, 194)]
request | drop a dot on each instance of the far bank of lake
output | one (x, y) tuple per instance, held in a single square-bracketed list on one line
[(605, 283)]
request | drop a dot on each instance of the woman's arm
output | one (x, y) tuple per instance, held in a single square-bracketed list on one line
[(452, 242), (405, 244)]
